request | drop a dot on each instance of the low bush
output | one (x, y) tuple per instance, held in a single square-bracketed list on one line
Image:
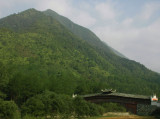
[(9, 110), (48, 103), (52, 104), (113, 107), (84, 108)]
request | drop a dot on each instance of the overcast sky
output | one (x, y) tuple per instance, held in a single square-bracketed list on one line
[(130, 26)]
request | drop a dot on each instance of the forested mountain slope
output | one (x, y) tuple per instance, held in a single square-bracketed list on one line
[(38, 52), (83, 33)]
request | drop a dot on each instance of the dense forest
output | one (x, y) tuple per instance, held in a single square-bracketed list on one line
[(45, 58)]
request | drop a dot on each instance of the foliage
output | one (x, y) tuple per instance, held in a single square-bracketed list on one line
[(48, 103), (113, 107), (83, 108), (9, 110), (3, 79), (156, 112), (32, 117), (34, 106), (22, 86)]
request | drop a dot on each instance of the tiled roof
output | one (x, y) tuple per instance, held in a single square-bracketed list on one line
[(119, 95)]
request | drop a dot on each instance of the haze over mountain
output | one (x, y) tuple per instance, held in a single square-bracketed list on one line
[(51, 52), (82, 32)]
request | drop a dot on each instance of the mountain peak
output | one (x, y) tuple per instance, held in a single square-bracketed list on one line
[(31, 9), (48, 10), (51, 13), (30, 12), (21, 20)]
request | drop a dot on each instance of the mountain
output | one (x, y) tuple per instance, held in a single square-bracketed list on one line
[(40, 52), (83, 33)]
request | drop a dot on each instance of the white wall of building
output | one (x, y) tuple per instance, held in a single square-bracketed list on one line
[(155, 103)]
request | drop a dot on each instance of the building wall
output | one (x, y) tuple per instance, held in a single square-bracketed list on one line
[(129, 103), (145, 109), (131, 107), (155, 103)]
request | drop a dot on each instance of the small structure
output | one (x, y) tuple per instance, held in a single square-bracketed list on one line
[(129, 101), (154, 101), (154, 98), (74, 95), (106, 91)]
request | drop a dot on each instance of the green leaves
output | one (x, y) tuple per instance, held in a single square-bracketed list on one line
[(9, 110), (83, 108), (3, 76), (48, 103), (34, 106), (113, 107)]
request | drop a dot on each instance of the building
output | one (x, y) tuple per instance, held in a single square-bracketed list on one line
[(133, 103), (154, 101)]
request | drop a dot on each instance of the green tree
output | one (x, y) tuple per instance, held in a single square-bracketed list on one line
[(3, 79), (113, 107), (33, 106), (9, 110), (23, 86)]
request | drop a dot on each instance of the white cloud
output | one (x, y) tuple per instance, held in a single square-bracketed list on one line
[(84, 19), (61, 6), (1, 15), (127, 22), (117, 36), (148, 10), (4, 6), (105, 11)]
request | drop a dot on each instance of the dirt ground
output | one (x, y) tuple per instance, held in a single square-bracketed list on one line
[(127, 117), (122, 115)]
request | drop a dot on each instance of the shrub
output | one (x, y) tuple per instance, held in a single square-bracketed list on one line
[(95, 110), (52, 104), (81, 107), (33, 106), (48, 103), (32, 117), (156, 112), (9, 110), (113, 107), (84, 108)]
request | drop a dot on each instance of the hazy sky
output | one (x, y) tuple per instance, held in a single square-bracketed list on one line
[(130, 26)]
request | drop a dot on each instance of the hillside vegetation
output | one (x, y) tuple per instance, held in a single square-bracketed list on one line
[(39, 52)]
